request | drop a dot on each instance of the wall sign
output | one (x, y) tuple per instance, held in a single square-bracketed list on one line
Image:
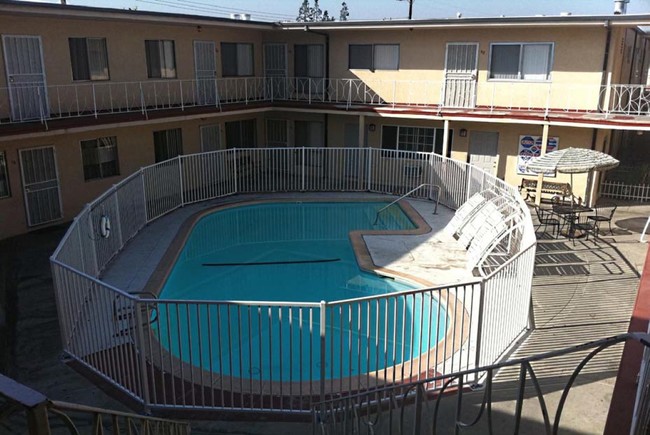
[(531, 146)]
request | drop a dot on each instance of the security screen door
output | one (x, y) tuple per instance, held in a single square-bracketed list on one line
[(206, 68), (461, 69), (40, 185), (275, 70), (26, 77)]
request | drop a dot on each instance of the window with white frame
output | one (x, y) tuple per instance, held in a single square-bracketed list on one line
[(210, 138), (373, 56), (161, 59), (521, 61), (276, 133), (99, 158), (167, 144), (420, 139), (89, 58), (5, 192), (237, 59), (241, 134)]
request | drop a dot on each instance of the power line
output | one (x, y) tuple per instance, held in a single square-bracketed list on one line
[(171, 4), (230, 9)]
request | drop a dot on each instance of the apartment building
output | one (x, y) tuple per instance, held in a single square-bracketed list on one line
[(90, 95)]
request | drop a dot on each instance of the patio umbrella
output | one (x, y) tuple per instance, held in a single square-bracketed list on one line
[(572, 161)]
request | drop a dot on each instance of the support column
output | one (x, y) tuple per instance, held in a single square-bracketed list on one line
[(540, 177), (362, 131), (445, 138)]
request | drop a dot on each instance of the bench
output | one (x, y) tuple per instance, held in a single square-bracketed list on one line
[(558, 191)]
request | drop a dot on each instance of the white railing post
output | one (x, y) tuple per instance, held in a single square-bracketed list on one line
[(91, 232), (180, 179), (117, 215), (94, 101), (304, 170), (144, 196), (323, 347), (141, 351), (469, 181), (234, 162), (645, 230), (369, 171)]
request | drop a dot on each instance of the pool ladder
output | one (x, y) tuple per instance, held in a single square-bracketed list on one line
[(434, 186)]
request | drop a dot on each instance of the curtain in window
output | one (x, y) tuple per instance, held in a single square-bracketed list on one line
[(4, 176), (228, 59), (210, 139), (360, 56), (79, 58), (536, 63), (316, 61), (387, 57), (168, 59), (244, 59), (97, 58), (276, 133), (505, 62), (153, 58), (167, 144)]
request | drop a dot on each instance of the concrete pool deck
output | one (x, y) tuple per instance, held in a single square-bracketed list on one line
[(580, 293)]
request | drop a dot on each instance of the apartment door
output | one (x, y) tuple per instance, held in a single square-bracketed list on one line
[(275, 69), (40, 178), (483, 147), (205, 65), (26, 76), (461, 71)]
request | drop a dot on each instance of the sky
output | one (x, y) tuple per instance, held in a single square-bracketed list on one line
[(276, 10)]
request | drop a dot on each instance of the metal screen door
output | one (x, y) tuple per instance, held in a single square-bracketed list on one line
[(275, 69), (26, 77), (461, 70), (40, 185), (205, 65)]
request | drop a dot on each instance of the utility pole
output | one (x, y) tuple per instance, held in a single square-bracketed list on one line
[(410, 8)]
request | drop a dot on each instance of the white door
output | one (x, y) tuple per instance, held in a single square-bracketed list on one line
[(40, 185), (461, 71), (483, 147), (275, 70), (26, 77), (206, 70)]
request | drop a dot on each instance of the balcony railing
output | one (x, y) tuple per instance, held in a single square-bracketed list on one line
[(37, 102)]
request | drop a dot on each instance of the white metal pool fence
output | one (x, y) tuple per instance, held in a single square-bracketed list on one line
[(621, 190), (272, 356)]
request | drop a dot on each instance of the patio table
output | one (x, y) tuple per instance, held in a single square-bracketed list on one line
[(571, 214)]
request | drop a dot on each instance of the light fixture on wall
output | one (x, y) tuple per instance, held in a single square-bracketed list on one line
[(462, 132), (372, 127)]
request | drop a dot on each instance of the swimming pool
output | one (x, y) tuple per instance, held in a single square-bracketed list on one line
[(297, 252)]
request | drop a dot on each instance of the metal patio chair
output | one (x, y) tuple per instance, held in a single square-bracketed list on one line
[(546, 218), (604, 213)]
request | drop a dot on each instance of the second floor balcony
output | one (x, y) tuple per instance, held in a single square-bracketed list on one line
[(37, 102)]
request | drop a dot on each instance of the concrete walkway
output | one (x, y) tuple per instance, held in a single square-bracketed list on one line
[(580, 293)]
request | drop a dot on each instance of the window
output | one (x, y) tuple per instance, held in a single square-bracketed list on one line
[(167, 144), (521, 61), (210, 138), (419, 139), (161, 60), (309, 61), (99, 158), (5, 192), (374, 57), (276, 133), (310, 134), (89, 58), (241, 134), (236, 59)]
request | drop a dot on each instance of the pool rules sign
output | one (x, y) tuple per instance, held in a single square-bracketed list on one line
[(531, 146)]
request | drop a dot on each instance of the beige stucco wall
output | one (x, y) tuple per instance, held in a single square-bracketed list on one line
[(575, 79), (135, 150)]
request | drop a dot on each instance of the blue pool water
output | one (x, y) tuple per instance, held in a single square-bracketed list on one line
[(298, 252)]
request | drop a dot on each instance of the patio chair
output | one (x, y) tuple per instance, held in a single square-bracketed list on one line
[(604, 213), (545, 218), (587, 227)]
